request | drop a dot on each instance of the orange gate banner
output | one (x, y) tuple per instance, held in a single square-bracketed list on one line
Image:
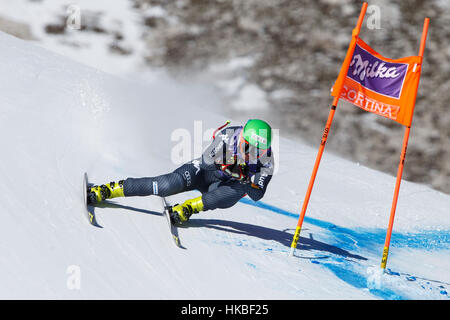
[(380, 85)]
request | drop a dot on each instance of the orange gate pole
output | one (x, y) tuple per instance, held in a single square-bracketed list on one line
[(326, 131), (402, 161)]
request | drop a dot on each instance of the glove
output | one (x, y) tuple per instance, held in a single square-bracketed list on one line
[(241, 175), (253, 184), (258, 180)]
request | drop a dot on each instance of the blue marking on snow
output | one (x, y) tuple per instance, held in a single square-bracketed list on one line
[(359, 280), (368, 237), (369, 240)]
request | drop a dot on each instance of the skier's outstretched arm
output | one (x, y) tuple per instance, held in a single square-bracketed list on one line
[(257, 188)]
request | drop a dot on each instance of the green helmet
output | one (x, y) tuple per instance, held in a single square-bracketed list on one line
[(257, 133)]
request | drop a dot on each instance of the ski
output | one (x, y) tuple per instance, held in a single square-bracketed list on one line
[(172, 227), (89, 210)]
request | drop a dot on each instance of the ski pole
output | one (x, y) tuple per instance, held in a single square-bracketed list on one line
[(326, 132), (402, 161)]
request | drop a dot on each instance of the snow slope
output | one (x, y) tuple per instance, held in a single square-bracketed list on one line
[(59, 118)]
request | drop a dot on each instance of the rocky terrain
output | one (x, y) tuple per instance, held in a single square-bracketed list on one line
[(284, 56), (297, 48)]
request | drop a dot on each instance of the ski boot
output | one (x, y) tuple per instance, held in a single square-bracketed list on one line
[(182, 212), (97, 194)]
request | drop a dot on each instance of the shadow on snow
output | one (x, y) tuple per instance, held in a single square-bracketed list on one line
[(281, 236)]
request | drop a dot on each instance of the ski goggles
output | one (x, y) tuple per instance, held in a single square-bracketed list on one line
[(249, 152)]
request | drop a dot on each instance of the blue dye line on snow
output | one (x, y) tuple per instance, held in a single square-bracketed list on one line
[(368, 239)]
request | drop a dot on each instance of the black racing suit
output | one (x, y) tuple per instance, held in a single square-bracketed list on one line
[(220, 174)]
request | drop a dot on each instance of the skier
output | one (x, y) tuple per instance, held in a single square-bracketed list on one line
[(238, 162)]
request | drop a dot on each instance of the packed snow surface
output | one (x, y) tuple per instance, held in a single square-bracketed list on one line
[(59, 119)]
